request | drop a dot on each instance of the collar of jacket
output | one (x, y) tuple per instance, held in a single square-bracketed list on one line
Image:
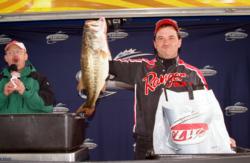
[(25, 71), (167, 62)]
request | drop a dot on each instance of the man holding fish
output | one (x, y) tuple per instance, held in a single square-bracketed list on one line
[(155, 82)]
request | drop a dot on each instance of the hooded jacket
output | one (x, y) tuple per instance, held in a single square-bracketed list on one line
[(37, 97)]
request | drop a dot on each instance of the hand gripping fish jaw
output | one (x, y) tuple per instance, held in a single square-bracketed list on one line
[(99, 26)]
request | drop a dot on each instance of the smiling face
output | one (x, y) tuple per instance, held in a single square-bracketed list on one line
[(15, 55), (167, 42)]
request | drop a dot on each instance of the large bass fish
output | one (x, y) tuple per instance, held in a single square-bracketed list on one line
[(95, 56)]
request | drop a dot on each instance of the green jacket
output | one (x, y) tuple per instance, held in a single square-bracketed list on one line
[(37, 97)]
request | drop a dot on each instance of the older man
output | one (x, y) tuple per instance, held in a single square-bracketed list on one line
[(23, 89)]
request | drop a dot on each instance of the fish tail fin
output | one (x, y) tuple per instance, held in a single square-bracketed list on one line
[(87, 111)]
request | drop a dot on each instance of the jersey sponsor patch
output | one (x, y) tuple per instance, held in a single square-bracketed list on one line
[(152, 81)]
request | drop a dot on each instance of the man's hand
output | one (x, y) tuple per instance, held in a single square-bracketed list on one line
[(8, 88), (20, 88), (232, 143)]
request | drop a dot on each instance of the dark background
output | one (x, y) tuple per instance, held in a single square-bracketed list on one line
[(112, 125)]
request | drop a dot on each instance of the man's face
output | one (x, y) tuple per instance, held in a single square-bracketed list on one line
[(16, 55), (167, 42)]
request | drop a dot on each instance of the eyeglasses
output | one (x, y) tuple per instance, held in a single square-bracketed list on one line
[(13, 52)]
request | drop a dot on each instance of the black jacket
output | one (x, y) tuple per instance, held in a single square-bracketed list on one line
[(149, 77)]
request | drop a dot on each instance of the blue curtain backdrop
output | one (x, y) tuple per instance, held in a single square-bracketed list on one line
[(222, 43)]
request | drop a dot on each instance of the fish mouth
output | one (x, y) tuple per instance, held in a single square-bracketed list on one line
[(92, 23), (92, 28)]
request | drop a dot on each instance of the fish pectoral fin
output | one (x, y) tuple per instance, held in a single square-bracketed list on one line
[(87, 111), (80, 86), (104, 54)]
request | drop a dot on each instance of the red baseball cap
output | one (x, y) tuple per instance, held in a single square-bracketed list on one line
[(162, 22), (17, 43)]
